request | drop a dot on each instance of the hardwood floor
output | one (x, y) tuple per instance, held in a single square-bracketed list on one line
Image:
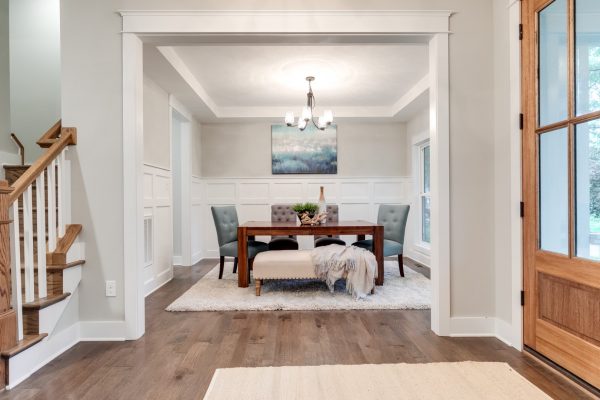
[(180, 351)]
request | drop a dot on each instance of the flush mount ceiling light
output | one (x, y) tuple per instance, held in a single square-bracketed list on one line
[(308, 112)]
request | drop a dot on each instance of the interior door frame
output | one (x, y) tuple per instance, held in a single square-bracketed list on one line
[(387, 24)]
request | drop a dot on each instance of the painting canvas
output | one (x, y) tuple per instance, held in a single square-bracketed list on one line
[(311, 151)]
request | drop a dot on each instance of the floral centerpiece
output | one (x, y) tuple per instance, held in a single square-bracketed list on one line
[(308, 213)]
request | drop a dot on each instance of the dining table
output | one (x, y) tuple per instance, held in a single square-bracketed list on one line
[(250, 229)]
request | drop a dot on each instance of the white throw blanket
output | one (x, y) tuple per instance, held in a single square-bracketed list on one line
[(333, 262)]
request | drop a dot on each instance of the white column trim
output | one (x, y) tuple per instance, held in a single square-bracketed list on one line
[(439, 139), (133, 190), (360, 24)]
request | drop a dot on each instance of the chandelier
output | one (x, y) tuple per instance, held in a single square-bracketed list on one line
[(308, 112)]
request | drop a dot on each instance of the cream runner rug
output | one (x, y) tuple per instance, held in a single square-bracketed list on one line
[(213, 294), (448, 381)]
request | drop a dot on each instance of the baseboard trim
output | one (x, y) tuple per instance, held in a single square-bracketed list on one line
[(102, 331), (177, 260), (472, 327), (159, 286), (197, 257), (484, 327)]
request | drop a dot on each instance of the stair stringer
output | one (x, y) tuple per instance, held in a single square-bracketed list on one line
[(64, 336), (60, 321)]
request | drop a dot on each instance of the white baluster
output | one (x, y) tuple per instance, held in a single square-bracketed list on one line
[(41, 234), (15, 270), (28, 244), (60, 179), (51, 171)]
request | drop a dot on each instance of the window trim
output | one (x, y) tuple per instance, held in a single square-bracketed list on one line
[(420, 194)]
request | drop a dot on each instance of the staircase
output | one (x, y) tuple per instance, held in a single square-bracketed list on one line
[(40, 258)]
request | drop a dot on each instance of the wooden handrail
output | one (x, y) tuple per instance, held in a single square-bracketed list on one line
[(20, 146), (51, 135), (68, 136)]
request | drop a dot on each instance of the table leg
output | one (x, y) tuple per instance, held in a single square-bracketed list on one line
[(378, 251), (242, 257), (360, 237)]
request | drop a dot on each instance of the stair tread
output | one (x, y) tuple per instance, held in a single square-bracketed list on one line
[(55, 267), (27, 342), (47, 301)]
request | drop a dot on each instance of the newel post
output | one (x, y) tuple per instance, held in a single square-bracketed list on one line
[(8, 317)]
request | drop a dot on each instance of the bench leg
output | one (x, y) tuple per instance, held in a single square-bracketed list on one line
[(235, 265), (258, 284)]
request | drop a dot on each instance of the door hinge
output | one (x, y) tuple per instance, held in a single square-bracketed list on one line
[(520, 31), (521, 121), (522, 297), (522, 209)]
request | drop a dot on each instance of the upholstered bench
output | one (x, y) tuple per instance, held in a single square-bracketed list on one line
[(282, 264)]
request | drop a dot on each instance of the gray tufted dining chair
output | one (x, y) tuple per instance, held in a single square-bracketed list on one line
[(393, 218), (332, 216), (283, 213), (226, 223)]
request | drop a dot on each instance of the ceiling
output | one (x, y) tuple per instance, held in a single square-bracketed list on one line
[(241, 81)]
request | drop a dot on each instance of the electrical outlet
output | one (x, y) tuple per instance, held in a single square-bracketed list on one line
[(111, 289)]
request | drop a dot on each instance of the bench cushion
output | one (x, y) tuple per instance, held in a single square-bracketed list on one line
[(284, 264)]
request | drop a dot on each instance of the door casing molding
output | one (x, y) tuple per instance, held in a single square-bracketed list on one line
[(389, 24)]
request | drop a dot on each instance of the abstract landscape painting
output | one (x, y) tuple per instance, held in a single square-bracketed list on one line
[(311, 151)]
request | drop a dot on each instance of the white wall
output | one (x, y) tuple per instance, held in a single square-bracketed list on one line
[(502, 199), (8, 151), (35, 85), (157, 141), (96, 69), (234, 150)]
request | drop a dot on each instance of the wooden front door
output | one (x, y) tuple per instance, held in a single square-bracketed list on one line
[(561, 182)]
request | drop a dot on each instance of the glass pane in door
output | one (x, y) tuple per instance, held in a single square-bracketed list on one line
[(554, 191), (553, 63), (587, 56), (426, 219), (587, 156)]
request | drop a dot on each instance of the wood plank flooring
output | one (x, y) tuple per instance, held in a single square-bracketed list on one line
[(180, 351)]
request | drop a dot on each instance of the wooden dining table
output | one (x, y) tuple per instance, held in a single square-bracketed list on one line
[(268, 228)]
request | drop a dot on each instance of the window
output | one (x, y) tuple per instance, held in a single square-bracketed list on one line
[(424, 193)]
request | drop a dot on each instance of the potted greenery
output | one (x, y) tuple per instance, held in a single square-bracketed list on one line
[(305, 210)]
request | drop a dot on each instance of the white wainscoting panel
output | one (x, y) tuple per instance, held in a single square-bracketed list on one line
[(358, 198), (158, 205)]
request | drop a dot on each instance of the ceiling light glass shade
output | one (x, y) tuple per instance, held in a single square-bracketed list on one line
[(289, 118), (321, 123), (328, 117), (302, 124), (306, 113)]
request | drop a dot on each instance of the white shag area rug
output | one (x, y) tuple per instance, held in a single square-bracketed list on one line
[(449, 381), (213, 294)]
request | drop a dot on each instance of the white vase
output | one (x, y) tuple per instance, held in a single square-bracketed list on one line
[(322, 204)]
